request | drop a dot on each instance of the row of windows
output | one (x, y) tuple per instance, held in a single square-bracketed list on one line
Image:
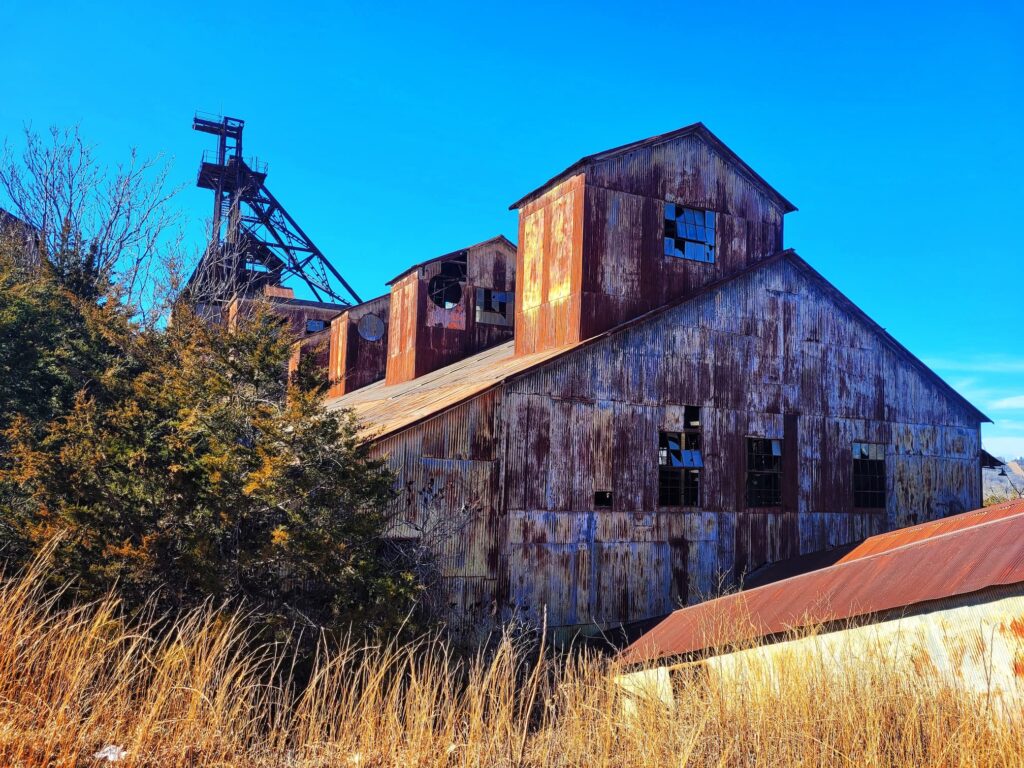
[(680, 466)]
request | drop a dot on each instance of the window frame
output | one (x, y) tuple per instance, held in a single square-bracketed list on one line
[(690, 442), (672, 239), (487, 298), (752, 473), (858, 493)]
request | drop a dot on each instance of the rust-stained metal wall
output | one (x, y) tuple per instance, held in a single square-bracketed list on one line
[(354, 361), (424, 336), (591, 247), (773, 353)]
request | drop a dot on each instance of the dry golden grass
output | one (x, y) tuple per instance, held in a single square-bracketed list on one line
[(73, 681)]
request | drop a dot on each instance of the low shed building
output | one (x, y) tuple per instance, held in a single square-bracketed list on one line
[(684, 400), (943, 598)]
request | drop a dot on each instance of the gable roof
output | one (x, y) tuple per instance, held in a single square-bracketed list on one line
[(442, 257), (388, 409), (962, 554), (696, 129)]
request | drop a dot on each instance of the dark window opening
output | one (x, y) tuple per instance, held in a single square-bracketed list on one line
[(868, 476), (602, 499), (445, 288), (680, 463), (764, 472), (494, 307), (689, 233), (315, 326)]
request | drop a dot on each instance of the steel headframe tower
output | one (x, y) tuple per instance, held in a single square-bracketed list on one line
[(254, 242)]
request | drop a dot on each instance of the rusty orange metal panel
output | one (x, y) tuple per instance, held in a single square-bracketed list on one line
[(550, 265), (359, 346), (431, 335), (979, 552)]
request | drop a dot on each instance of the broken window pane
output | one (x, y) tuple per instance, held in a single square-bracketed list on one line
[(315, 326), (764, 472), (445, 291), (689, 233), (494, 307), (680, 462), (869, 476)]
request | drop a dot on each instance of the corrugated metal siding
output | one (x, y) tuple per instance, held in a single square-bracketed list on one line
[(589, 421), (430, 337), (355, 362)]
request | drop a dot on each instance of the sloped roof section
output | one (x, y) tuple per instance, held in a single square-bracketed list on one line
[(696, 129), (387, 409), (970, 554), (885, 542)]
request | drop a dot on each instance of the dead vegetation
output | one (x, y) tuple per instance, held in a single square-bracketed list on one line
[(79, 682)]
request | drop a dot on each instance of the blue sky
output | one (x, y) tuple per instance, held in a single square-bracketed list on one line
[(395, 132)]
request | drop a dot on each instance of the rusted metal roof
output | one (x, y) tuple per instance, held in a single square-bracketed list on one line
[(442, 257), (952, 557), (386, 409), (888, 541), (695, 129)]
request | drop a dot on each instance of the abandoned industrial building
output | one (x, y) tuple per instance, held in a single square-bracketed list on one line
[(649, 399), (683, 400)]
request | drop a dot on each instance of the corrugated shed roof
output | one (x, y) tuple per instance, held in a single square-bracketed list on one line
[(698, 129), (884, 542), (384, 409), (963, 554)]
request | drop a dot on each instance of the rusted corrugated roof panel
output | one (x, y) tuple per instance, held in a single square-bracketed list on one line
[(696, 128), (970, 557), (885, 542), (386, 409)]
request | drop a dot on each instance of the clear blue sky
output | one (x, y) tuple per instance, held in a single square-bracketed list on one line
[(398, 133)]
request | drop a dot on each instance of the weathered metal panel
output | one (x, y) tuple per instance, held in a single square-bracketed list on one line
[(549, 263), (430, 336), (772, 353), (354, 360)]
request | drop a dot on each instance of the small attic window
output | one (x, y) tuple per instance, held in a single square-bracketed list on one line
[(689, 233), (315, 326), (494, 307)]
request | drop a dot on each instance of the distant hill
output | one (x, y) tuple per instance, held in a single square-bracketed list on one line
[(996, 488)]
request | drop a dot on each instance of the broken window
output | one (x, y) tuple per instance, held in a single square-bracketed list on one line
[(868, 476), (494, 307), (445, 288), (680, 463), (315, 326), (764, 472), (602, 499), (689, 233)]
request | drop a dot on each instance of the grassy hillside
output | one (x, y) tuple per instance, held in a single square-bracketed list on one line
[(74, 682)]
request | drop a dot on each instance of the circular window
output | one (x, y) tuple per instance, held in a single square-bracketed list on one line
[(370, 327), (445, 291)]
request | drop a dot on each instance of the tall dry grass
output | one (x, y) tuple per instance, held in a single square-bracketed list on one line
[(75, 680)]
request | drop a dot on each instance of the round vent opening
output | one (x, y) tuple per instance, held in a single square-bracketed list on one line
[(370, 327)]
